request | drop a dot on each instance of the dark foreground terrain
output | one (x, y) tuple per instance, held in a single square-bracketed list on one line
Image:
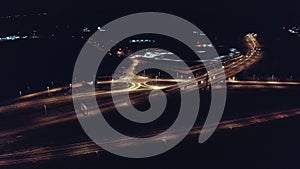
[(273, 142)]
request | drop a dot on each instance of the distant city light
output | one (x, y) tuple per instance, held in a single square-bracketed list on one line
[(141, 41), (232, 50), (100, 29), (14, 37), (86, 30), (204, 45)]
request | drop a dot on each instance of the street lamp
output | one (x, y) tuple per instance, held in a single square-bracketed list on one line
[(45, 108), (28, 89), (164, 140)]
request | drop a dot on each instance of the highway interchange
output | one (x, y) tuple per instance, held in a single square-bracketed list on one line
[(54, 109)]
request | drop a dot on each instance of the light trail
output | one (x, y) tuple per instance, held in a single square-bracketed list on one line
[(14, 134), (35, 154), (138, 84)]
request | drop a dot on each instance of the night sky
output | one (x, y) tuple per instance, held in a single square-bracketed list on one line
[(38, 63)]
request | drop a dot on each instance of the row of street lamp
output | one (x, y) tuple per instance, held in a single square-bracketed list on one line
[(29, 90)]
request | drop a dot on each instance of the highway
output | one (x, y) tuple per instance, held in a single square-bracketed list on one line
[(59, 110), (34, 154)]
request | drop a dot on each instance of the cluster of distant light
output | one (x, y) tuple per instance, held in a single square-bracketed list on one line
[(13, 38), (158, 55), (151, 55), (198, 33), (204, 45), (199, 45), (233, 52), (88, 30), (22, 15), (293, 30), (141, 41)]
